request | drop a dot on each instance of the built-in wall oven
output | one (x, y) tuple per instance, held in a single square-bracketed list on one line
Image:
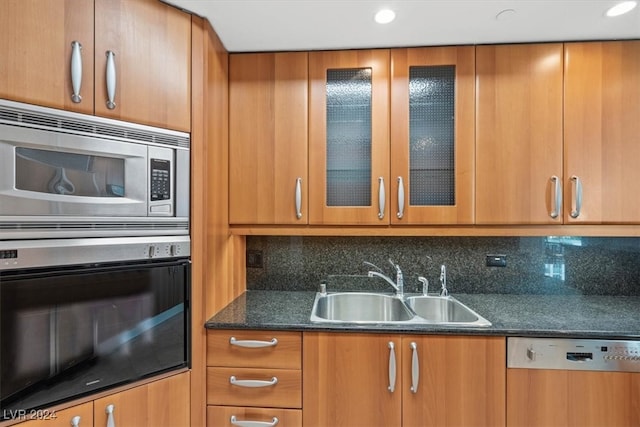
[(94, 254), (84, 315)]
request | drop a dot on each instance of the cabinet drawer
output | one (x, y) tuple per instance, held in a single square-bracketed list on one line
[(285, 393), (228, 348), (220, 416)]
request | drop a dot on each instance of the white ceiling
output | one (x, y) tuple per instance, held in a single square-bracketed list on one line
[(282, 25)]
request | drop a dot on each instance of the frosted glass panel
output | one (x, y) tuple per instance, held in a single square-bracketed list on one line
[(432, 135), (348, 137)]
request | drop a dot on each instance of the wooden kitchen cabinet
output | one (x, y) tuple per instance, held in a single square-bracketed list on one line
[(268, 108), (36, 44), (519, 151), (76, 416), (347, 380), (602, 132), (349, 137), (152, 46), (254, 376), (160, 403), (432, 135), (562, 398)]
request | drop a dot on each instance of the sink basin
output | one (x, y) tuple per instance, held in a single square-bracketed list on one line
[(358, 307), (444, 310), (371, 308)]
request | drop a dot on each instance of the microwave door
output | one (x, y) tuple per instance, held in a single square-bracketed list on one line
[(47, 174)]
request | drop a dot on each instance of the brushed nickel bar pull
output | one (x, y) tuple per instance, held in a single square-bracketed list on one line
[(557, 197), (392, 367), (298, 198), (400, 213), (381, 198), (577, 196), (110, 421), (76, 71), (111, 80), (75, 421), (241, 423), (252, 383), (253, 343), (415, 367)]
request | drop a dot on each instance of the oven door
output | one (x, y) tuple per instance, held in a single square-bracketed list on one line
[(70, 332), (47, 173)]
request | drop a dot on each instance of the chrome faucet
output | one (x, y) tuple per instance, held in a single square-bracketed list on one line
[(398, 285), (443, 281)]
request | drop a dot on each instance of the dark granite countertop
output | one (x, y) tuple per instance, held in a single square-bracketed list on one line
[(510, 315)]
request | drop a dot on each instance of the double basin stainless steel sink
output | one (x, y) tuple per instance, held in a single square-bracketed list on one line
[(378, 308)]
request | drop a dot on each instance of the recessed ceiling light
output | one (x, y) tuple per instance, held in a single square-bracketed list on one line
[(622, 8), (385, 16)]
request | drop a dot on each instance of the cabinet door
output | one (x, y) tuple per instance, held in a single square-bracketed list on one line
[(555, 398), (76, 416), (152, 46), (161, 403), (268, 105), (519, 134), (349, 137), (432, 135), (602, 132), (460, 382), (347, 378), (36, 49)]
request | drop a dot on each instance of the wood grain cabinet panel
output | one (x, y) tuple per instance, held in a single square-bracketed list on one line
[(554, 398), (150, 39), (519, 134), (152, 46), (254, 349), (602, 132), (349, 380), (161, 403), (220, 416), (35, 46), (63, 418), (268, 108)]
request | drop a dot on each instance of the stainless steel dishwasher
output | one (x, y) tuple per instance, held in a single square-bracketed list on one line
[(558, 382)]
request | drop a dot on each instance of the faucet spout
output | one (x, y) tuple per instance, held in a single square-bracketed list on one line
[(398, 285)]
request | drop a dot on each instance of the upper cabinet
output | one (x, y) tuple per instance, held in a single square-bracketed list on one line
[(268, 108), (432, 135), (392, 136), (38, 40), (141, 51), (143, 63), (349, 137), (519, 171), (602, 132)]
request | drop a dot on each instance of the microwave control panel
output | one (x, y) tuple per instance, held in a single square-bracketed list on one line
[(160, 179)]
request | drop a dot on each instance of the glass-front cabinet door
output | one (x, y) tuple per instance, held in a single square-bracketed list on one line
[(349, 137), (432, 135)]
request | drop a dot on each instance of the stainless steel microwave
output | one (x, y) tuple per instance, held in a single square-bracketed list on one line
[(66, 174)]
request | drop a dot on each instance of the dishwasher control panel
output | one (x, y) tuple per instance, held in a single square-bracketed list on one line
[(573, 354)]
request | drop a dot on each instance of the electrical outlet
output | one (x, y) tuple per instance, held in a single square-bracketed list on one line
[(254, 258), (496, 260)]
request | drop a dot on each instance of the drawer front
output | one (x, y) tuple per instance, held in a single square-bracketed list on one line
[(220, 416), (254, 349), (285, 393)]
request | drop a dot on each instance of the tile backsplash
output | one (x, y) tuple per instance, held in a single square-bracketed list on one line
[(534, 265)]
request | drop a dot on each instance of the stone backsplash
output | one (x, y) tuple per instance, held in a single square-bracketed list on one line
[(534, 265)]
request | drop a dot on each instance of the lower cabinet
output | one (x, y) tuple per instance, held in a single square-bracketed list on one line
[(558, 398), (162, 403), (254, 378), (388, 380)]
